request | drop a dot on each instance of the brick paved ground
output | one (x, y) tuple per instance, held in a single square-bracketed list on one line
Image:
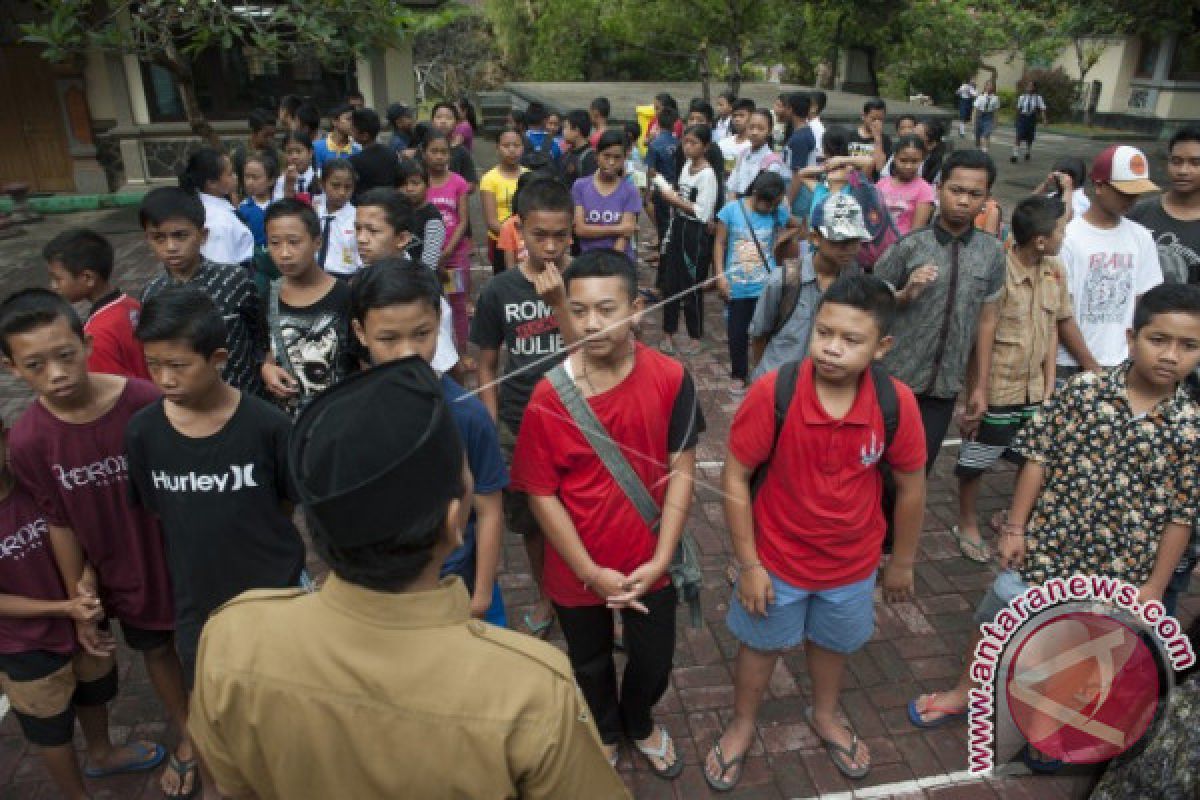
[(917, 647)]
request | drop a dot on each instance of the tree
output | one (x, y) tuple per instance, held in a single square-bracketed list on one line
[(171, 33)]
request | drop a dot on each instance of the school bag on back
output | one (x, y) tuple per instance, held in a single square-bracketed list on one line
[(877, 219), (538, 156)]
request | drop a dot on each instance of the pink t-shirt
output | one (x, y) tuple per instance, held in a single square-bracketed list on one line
[(79, 477), (902, 199), (445, 199)]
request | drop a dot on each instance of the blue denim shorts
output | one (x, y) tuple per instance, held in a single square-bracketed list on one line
[(840, 619), (1006, 588)]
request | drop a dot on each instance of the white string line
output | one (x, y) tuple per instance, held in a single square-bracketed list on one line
[(576, 345)]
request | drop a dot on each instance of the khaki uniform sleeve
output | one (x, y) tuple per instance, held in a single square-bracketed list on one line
[(212, 705), (566, 759)]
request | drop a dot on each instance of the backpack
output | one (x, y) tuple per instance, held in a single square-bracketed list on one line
[(889, 406), (573, 165), (538, 157), (877, 219)]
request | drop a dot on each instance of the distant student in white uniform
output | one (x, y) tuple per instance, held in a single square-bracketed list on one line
[(338, 254), (210, 175)]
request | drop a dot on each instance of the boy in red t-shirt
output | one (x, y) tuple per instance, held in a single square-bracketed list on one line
[(68, 451), (601, 555), (809, 540), (45, 677), (80, 263)]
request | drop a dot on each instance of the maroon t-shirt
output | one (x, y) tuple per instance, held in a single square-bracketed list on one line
[(27, 569), (79, 476)]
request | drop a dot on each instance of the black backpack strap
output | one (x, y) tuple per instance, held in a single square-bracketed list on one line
[(889, 404), (785, 390)]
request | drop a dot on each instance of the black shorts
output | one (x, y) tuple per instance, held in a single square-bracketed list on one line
[(43, 689), (518, 517), (142, 639), (1000, 424)]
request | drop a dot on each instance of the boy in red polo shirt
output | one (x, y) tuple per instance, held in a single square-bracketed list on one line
[(808, 540), (80, 263)]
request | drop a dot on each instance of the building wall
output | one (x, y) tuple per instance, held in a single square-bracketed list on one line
[(1114, 71)]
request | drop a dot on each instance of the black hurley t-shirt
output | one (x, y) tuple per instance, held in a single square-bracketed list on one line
[(220, 502), (509, 316)]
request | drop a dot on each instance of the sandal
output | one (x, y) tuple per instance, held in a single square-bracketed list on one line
[(184, 768), (842, 757), (1037, 764), (720, 783), (147, 758), (971, 550), (947, 714), (673, 769)]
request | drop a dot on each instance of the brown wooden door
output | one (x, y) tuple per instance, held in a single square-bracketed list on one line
[(34, 149)]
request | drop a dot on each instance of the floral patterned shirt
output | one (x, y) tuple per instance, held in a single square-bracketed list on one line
[(1114, 479)]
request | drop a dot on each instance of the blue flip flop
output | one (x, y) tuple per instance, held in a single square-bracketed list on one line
[(914, 716), (148, 761)]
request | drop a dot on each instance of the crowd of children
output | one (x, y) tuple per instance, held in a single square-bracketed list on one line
[(150, 479)]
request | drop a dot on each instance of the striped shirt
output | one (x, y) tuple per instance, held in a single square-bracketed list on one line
[(234, 294), (1030, 104)]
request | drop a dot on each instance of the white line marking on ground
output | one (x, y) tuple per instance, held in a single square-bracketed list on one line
[(904, 787)]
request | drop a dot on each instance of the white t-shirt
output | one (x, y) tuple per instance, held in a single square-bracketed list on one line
[(751, 162), (966, 91), (705, 184), (1080, 203), (1107, 270), (341, 257), (818, 131), (731, 150), (229, 240)]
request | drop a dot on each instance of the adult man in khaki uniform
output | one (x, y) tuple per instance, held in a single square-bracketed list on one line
[(380, 685)]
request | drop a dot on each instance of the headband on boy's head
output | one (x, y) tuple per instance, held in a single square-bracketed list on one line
[(377, 457)]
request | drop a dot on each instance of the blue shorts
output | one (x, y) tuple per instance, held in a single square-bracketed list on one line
[(841, 619)]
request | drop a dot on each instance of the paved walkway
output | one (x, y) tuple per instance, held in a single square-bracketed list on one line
[(917, 647)]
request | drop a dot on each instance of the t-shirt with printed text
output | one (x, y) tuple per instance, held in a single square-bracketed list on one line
[(79, 476), (28, 569), (605, 209)]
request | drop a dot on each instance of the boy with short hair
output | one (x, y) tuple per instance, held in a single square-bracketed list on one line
[(396, 310), (67, 450), (661, 160), (382, 219), (736, 143), (173, 220), (80, 263), (599, 110), (400, 121), (44, 675), (340, 141), (1138, 427), (869, 138), (1110, 261), (375, 163), (803, 141), (1024, 335), (522, 311), (579, 159), (819, 99), (787, 307), (803, 489), (1173, 218), (209, 461), (262, 138), (602, 553), (307, 313)]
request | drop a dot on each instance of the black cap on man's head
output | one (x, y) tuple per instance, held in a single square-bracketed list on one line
[(378, 456)]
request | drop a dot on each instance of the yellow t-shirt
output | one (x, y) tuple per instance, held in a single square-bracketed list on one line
[(504, 189)]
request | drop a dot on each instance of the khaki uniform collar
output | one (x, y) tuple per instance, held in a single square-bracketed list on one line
[(449, 604)]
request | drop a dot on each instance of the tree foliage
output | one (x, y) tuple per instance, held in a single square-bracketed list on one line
[(171, 33)]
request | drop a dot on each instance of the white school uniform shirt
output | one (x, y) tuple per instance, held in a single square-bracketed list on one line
[(229, 240), (818, 130), (341, 257), (1107, 269), (446, 354), (303, 183), (1030, 104), (987, 103)]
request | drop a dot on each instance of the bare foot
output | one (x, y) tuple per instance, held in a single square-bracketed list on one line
[(939, 705)]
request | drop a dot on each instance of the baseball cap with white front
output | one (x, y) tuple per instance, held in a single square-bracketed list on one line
[(840, 218), (1125, 169)]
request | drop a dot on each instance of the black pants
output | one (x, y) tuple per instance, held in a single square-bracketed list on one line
[(692, 314), (650, 648), (936, 413), (741, 313)]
